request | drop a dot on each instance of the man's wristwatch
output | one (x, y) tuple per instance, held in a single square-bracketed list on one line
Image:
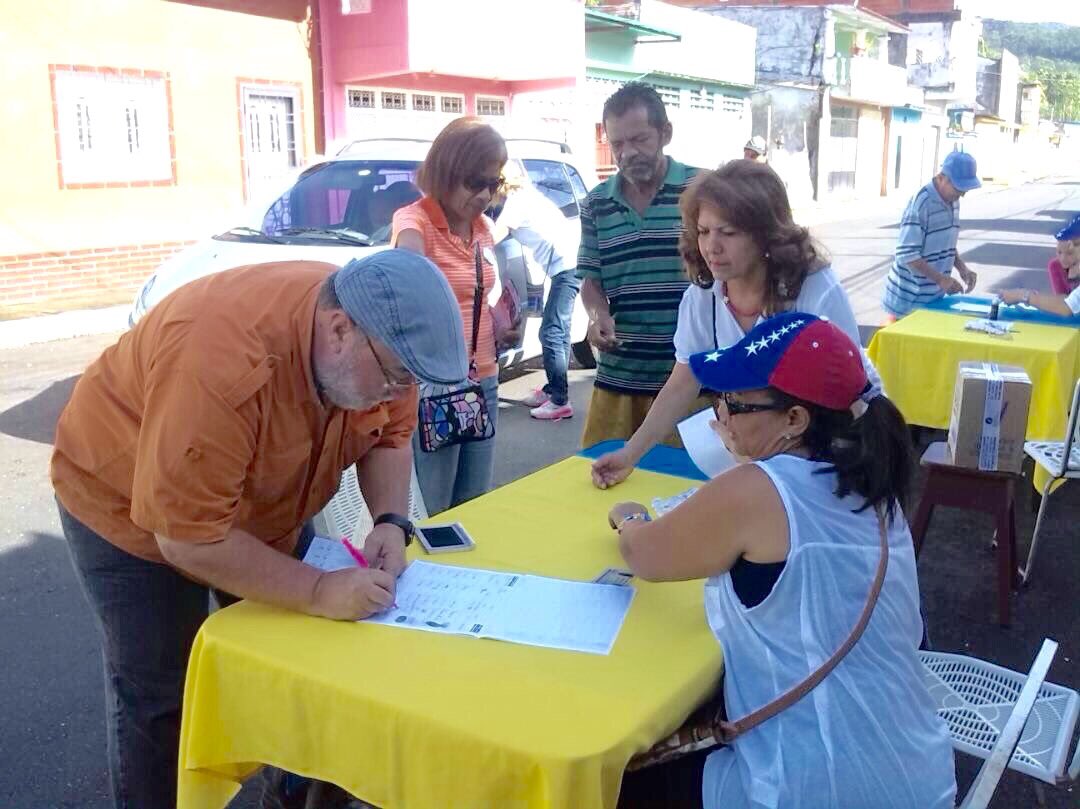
[(404, 523)]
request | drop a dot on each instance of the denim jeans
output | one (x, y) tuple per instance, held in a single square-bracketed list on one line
[(148, 615), (555, 333), (461, 472)]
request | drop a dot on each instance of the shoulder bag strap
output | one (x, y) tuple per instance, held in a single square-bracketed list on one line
[(727, 731), (478, 302)]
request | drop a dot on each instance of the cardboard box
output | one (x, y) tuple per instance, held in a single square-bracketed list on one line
[(989, 416)]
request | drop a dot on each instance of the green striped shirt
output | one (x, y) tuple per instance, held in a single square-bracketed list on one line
[(636, 260)]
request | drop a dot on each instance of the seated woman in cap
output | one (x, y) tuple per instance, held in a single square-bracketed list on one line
[(1064, 277), (746, 260), (790, 577), (1064, 268)]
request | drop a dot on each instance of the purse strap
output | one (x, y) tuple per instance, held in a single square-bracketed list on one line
[(478, 301), (727, 731)]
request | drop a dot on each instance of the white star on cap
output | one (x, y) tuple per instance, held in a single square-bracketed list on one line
[(751, 349), (762, 343), (713, 357), (774, 336)]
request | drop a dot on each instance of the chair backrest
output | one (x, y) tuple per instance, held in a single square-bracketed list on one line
[(1070, 433), (346, 509), (982, 789), (347, 514), (417, 509)]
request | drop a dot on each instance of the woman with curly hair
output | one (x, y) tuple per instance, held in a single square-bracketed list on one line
[(747, 260)]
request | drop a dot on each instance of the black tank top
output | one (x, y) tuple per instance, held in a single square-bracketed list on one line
[(753, 581)]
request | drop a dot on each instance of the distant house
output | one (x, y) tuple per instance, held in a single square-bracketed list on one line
[(834, 102)]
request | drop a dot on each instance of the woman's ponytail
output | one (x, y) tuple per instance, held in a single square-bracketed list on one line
[(871, 454)]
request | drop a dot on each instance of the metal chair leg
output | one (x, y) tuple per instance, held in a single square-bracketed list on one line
[(1038, 524)]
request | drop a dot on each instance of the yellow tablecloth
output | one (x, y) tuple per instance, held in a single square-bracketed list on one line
[(412, 719), (918, 355)]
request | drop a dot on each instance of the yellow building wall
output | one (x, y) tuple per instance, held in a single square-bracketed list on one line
[(204, 52)]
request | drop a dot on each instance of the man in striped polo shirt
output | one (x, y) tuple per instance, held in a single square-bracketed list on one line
[(629, 263), (926, 246)]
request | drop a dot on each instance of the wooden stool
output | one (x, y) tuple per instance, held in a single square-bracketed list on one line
[(993, 493)]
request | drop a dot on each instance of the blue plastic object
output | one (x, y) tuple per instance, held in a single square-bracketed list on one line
[(978, 306), (665, 460)]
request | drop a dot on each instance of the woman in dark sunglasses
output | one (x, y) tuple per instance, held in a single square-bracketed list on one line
[(746, 260), (459, 177)]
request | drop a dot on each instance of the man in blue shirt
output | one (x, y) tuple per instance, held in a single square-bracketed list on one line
[(926, 247)]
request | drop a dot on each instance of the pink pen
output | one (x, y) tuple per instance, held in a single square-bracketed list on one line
[(361, 560), (355, 553)]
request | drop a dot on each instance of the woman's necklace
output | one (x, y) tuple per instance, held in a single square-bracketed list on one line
[(734, 309)]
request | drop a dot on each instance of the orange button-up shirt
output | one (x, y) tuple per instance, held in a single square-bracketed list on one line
[(206, 416)]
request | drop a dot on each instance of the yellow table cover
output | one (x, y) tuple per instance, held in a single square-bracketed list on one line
[(918, 357), (413, 719)]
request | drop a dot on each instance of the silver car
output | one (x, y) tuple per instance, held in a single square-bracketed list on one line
[(340, 208)]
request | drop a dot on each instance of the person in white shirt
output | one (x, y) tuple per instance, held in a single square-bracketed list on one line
[(747, 261), (818, 518), (549, 241)]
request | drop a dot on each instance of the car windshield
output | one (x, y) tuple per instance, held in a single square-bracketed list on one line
[(349, 201)]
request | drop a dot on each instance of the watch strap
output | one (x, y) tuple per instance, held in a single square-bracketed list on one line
[(404, 523)]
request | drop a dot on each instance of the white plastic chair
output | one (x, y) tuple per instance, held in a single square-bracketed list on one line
[(348, 515), (1061, 460), (1011, 720)]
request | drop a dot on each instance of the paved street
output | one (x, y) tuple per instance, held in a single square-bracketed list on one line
[(51, 705)]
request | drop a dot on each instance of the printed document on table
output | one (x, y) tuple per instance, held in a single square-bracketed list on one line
[(533, 610)]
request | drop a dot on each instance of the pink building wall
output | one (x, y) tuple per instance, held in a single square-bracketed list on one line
[(373, 49)]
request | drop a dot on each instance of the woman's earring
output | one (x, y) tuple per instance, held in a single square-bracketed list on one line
[(781, 288)]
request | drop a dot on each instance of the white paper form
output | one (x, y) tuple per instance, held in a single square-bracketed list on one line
[(561, 614), (706, 449), (533, 610), (328, 554)]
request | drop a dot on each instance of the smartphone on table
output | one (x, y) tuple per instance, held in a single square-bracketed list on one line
[(448, 538)]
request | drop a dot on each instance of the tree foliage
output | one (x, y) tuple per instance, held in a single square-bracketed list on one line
[(1049, 54)]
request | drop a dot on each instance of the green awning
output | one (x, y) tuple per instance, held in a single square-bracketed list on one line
[(628, 70), (596, 21)]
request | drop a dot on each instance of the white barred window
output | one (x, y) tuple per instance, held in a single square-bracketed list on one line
[(671, 96), (112, 127), (423, 102), (393, 100), (702, 100), (490, 106), (362, 99), (733, 105)]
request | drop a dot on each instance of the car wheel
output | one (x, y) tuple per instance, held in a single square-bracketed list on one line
[(585, 354)]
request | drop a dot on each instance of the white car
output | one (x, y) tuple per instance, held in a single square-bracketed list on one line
[(340, 208)]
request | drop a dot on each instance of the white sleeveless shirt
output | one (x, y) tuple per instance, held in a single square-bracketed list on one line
[(868, 735)]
